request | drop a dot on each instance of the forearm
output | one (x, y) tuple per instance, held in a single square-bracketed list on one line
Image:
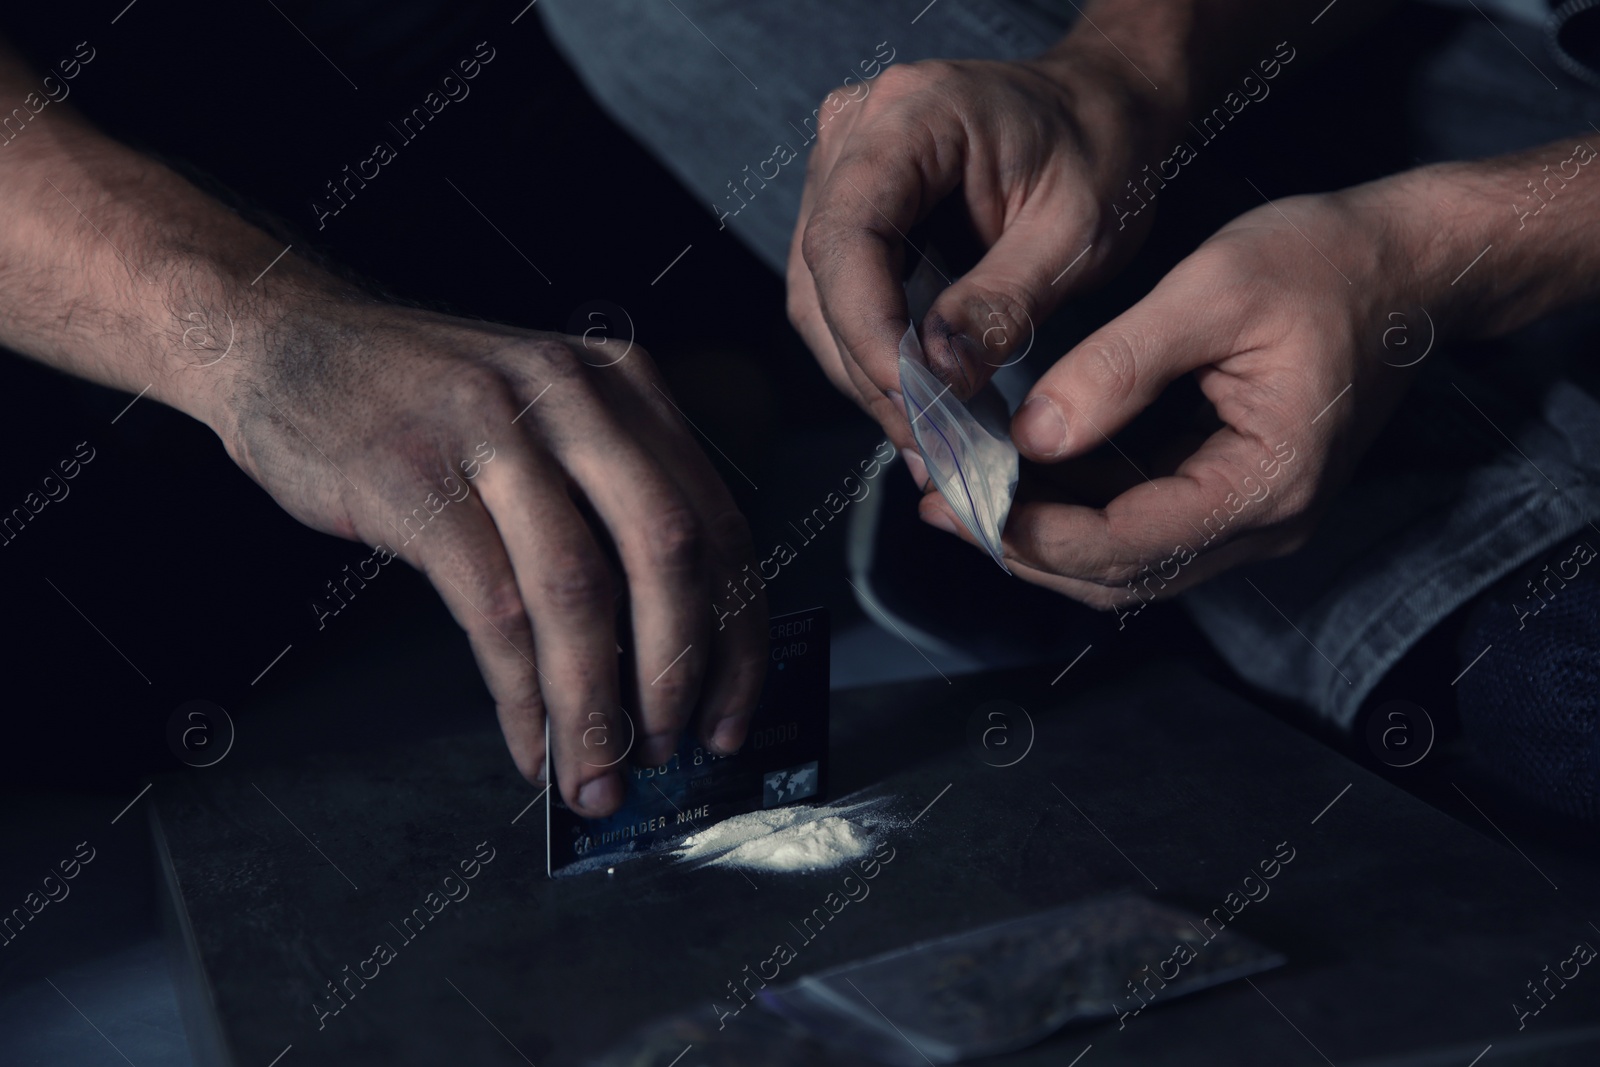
[(1182, 57), (1498, 243), (114, 268)]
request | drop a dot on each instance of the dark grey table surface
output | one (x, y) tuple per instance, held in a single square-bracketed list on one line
[(1409, 935)]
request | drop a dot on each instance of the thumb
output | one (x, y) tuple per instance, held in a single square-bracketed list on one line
[(1116, 372), (987, 318)]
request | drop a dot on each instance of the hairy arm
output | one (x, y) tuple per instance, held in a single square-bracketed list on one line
[(361, 418), (98, 241), (1534, 219)]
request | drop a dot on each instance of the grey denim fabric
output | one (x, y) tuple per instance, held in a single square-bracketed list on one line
[(1492, 458)]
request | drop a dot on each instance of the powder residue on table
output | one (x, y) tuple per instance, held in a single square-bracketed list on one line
[(785, 839)]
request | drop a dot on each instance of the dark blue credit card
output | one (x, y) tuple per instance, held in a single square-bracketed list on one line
[(783, 761)]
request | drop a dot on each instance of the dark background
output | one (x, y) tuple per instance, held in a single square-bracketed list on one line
[(189, 568), (201, 580)]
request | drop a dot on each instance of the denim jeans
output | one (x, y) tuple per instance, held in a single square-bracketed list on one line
[(1493, 457)]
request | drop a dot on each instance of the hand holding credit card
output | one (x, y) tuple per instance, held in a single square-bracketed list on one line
[(783, 761)]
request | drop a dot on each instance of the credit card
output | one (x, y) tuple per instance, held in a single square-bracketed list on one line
[(784, 761)]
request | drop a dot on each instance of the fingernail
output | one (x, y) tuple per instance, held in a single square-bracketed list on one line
[(899, 401), (658, 748), (601, 796), (918, 469), (966, 357), (940, 520), (728, 736), (1040, 428)]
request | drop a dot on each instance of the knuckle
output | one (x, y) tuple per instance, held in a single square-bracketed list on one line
[(903, 78), (625, 355), (577, 583), (897, 76), (819, 239), (1225, 264), (502, 606), (827, 132), (1008, 304), (672, 539), (1108, 366), (1007, 324), (546, 361), (477, 388), (1116, 577), (1115, 573)]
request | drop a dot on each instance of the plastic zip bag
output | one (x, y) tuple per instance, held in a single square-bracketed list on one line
[(1010, 985), (967, 450), (978, 993)]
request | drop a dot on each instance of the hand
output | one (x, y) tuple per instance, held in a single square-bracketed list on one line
[(377, 423), (1039, 149), (1281, 317)]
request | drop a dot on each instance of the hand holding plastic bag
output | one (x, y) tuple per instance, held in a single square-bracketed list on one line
[(973, 465)]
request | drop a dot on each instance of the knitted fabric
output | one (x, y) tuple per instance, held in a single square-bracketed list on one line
[(1531, 705)]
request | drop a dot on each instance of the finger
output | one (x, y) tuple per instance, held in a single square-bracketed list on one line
[(805, 314), (737, 622), (888, 408), (566, 587), (1098, 387), (1039, 542), (804, 311), (660, 538), (1149, 586), (854, 247), (935, 510), (1091, 480), (465, 560), (988, 318), (1232, 486), (739, 633)]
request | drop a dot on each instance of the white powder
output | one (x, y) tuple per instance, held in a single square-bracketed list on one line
[(786, 839)]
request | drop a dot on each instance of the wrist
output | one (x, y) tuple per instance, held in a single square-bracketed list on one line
[(222, 320), (114, 268), (1499, 243)]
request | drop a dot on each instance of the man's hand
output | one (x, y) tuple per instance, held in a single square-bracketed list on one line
[(1039, 150), (376, 423), (1281, 317)]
